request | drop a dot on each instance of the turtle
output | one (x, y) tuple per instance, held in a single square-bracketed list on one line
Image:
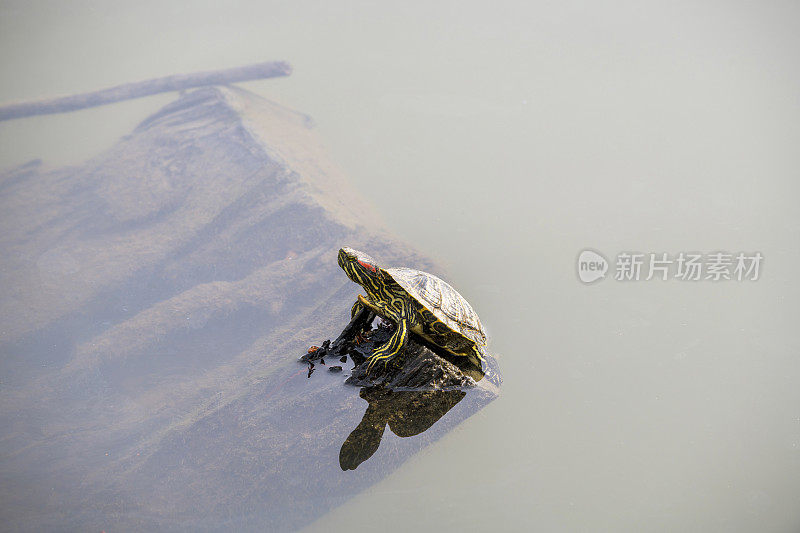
[(416, 302)]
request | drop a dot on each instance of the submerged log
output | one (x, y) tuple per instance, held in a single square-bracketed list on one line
[(127, 91)]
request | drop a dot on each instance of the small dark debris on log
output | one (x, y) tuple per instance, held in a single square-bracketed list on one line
[(344, 343), (418, 367)]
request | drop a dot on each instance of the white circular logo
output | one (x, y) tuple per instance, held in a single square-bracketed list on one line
[(591, 266)]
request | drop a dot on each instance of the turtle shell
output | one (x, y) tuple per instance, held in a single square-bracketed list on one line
[(442, 300)]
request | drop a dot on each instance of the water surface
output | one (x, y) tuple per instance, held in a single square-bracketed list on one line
[(501, 141)]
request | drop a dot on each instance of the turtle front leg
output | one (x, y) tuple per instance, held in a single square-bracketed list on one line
[(391, 347), (358, 306)]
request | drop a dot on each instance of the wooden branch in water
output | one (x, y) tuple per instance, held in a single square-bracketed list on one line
[(127, 91)]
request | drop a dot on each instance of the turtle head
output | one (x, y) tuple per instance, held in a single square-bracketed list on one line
[(358, 266)]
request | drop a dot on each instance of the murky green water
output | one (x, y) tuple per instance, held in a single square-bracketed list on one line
[(502, 141)]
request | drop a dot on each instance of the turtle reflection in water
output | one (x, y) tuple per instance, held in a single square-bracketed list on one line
[(416, 302), (407, 413)]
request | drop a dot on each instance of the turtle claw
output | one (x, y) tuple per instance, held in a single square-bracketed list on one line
[(371, 363), (375, 359)]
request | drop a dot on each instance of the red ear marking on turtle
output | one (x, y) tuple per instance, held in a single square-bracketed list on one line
[(369, 267)]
